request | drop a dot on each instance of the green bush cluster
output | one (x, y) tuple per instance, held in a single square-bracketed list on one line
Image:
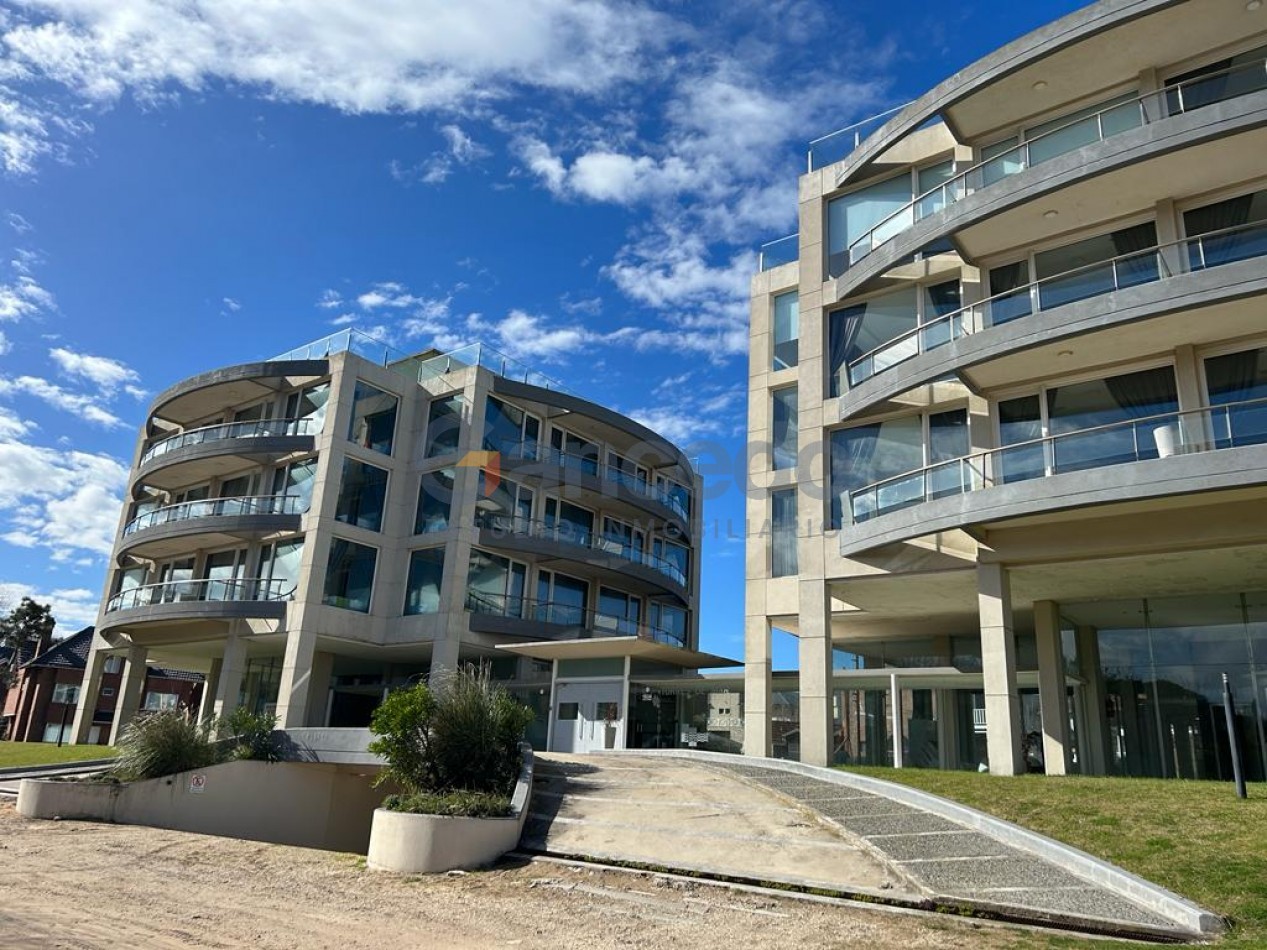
[(454, 747), (163, 743)]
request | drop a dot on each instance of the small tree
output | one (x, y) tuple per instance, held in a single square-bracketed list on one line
[(28, 624)]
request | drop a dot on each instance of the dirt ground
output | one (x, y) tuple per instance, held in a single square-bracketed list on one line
[(69, 884)]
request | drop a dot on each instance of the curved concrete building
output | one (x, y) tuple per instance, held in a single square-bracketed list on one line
[(1008, 408), (312, 530)]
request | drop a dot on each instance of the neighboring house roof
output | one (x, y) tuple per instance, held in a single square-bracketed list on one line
[(72, 654)]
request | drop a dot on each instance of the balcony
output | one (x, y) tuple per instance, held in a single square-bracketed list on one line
[(498, 527), (776, 253), (217, 508), (837, 146), (1148, 109), (529, 452), (205, 603), (1166, 438), (166, 532), (525, 617), (233, 431), (1206, 251)]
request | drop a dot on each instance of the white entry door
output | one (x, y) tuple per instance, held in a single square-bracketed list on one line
[(588, 717)]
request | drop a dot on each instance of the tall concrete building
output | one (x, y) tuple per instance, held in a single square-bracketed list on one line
[(313, 530), (1008, 400)]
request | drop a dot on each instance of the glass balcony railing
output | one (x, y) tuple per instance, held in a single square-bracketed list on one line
[(218, 508), (1201, 252), (557, 614), (565, 532), (1165, 435), (1152, 107), (772, 254), (345, 341), (255, 429), (481, 354), (839, 145), (590, 465), (208, 590)]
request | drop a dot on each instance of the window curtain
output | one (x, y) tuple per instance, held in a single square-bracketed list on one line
[(1009, 277), (851, 453), (1142, 267), (1198, 91), (1216, 217), (1234, 377), (942, 299), (846, 326), (783, 533), (1145, 394)]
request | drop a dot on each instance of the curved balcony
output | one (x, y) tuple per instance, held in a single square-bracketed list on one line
[(198, 600), (935, 342), (164, 531), (611, 559), (258, 438), (533, 458), (1153, 456), (520, 616), (207, 394), (1076, 134)]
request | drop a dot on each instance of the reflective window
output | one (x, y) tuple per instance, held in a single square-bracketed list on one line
[(1115, 271), (1238, 381), (561, 599), (279, 566), (510, 430), (503, 504), (309, 405), (422, 589), (678, 556), (581, 453), (618, 612), (783, 435), (569, 522), (1081, 128), (362, 495), (495, 584), (851, 216), (783, 533), (862, 455), (435, 497), (1237, 75), (668, 623), (444, 425), (786, 330), (295, 481), (349, 575), (373, 418), (1227, 231)]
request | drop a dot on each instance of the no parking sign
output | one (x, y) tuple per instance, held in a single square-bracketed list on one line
[(197, 784)]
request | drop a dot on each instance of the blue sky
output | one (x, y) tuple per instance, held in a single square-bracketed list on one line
[(571, 182)]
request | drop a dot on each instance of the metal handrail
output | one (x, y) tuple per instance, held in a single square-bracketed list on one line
[(949, 195), (256, 428), (984, 469), (558, 614), (532, 451), (567, 533), (206, 589), (959, 328), (855, 128), (218, 508)]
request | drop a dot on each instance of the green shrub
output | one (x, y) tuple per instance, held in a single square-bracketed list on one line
[(463, 735), (460, 804), (250, 735), (163, 743)]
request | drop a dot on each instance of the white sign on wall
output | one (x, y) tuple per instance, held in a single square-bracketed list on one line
[(197, 784)]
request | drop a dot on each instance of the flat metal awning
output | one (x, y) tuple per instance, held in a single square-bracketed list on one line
[(594, 648)]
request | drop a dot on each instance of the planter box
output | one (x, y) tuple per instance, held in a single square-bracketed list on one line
[(426, 844)]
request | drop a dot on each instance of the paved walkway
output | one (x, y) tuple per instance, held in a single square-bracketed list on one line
[(740, 819)]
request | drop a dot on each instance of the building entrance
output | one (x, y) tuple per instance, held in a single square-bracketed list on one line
[(588, 717)]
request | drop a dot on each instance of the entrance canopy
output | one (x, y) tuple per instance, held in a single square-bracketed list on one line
[(605, 647)]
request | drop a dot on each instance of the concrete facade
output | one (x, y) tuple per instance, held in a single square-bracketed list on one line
[(1006, 412)]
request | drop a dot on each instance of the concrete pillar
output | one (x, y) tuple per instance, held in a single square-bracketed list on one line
[(815, 664), (319, 687), (130, 689), (1052, 695), (998, 667), (758, 691), (895, 719), (210, 683), (445, 657), (947, 733), (88, 692), (294, 689), (229, 681), (1094, 743)]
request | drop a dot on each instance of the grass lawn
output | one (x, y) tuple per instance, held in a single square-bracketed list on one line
[(1195, 838), (46, 753)]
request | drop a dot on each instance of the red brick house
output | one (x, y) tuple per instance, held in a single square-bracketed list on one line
[(41, 704)]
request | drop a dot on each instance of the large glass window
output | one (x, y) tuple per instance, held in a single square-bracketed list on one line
[(1081, 128), (422, 591), (569, 522), (362, 495), (1090, 281), (561, 599), (373, 422), (503, 504), (677, 557), (867, 327), (435, 498), (624, 539), (223, 570), (579, 453), (510, 430), (618, 612), (783, 533), (783, 436), (1226, 231), (349, 575), (862, 455), (279, 566), (295, 481), (1233, 380), (495, 584), (851, 216), (309, 405), (668, 623), (1237, 75), (786, 330), (444, 425)]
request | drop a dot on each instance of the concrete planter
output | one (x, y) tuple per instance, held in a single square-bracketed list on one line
[(426, 844), (84, 801)]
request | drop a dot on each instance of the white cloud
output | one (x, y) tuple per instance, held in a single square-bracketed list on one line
[(231, 305), (22, 298), (109, 374), (78, 404), (387, 294), (18, 223), (460, 149), (330, 300), (13, 426), (5, 344), (529, 336), (73, 607)]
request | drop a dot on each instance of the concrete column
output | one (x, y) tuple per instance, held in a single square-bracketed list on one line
[(895, 719), (445, 657), (1093, 744), (319, 687), (815, 663), (947, 733), (1052, 696), (88, 692), (758, 690), (293, 691), (210, 684), (998, 667), (130, 689), (229, 681)]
